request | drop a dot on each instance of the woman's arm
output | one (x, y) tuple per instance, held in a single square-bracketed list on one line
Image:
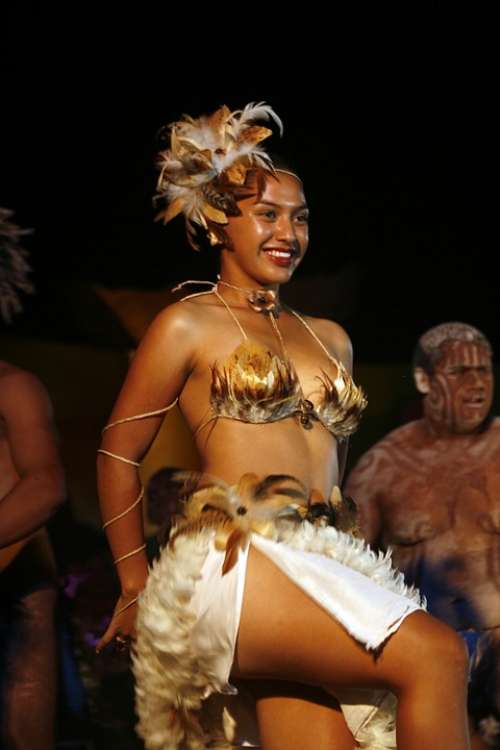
[(156, 377)]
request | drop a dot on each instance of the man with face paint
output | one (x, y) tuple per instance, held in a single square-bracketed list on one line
[(430, 491)]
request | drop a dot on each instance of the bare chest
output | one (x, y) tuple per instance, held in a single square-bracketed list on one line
[(8, 474), (437, 492)]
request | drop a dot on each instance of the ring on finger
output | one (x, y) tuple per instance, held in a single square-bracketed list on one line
[(122, 643)]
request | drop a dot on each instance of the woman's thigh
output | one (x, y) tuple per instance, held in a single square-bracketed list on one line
[(285, 635), (299, 717)]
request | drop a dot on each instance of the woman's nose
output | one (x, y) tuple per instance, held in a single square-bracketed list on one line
[(285, 229)]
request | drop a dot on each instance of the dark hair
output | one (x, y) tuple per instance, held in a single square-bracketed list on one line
[(429, 348)]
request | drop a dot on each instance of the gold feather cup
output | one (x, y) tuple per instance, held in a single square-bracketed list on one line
[(254, 385), (342, 404)]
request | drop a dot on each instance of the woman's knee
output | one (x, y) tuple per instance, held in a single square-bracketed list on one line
[(437, 654), (451, 653)]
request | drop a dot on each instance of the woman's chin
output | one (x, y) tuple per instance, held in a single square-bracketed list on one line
[(272, 273)]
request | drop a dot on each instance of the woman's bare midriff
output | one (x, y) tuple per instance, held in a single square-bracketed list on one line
[(229, 449)]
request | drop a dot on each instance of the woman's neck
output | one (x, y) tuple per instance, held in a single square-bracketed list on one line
[(238, 286), (249, 293)]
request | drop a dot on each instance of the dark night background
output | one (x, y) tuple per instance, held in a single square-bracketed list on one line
[(396, 142)]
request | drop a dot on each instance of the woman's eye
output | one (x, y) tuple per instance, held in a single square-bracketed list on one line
[(270, 214), (303, 218)]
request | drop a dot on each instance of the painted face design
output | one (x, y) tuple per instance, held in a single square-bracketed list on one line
[(461, 387)]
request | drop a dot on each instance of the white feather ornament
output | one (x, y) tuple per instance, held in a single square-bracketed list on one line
[(213, 151)]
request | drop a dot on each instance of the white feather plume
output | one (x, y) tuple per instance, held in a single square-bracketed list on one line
[(223, 145), (241, 118)]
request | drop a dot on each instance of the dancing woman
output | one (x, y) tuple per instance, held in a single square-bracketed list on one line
[(256, 583)]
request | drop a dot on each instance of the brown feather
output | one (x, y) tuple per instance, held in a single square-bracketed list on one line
[(213, 214), (315, 496), (246, 486), (172, 211), (236, 174), (224, 201), (218, 119), (233, 545), (254, 134), (208, 519)]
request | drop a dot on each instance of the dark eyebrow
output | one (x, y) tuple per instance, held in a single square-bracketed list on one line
[(278, 205)]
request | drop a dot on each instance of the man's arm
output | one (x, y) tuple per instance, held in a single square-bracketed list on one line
[(340, 346), (363, 486), (26, 411)]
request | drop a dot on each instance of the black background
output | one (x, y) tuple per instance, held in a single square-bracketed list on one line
[(392, 129)]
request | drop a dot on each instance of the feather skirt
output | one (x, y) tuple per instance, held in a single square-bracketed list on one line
[(188, 621)]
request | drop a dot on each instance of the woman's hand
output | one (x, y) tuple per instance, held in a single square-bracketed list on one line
[(121, 629)]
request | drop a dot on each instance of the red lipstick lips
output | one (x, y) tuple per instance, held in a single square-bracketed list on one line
[(280, 256)]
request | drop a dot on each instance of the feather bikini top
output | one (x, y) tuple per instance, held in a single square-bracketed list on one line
[(254, 385)]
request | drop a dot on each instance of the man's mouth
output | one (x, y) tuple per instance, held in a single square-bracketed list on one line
[(474, 400)]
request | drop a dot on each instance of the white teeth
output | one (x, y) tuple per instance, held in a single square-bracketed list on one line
[(280, 253)]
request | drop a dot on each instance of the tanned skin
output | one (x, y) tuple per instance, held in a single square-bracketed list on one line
[(430, 491), (31, 489), (292, 639)]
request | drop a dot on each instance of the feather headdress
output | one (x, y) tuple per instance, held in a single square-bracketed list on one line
[(14, 267), (203, 173)]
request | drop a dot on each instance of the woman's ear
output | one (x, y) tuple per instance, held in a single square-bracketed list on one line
[(422, 380)]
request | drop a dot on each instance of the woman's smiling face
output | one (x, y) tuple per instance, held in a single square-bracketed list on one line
[(270, 237)]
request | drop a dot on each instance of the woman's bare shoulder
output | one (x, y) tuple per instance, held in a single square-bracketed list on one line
[(187, 318), (335, 338)]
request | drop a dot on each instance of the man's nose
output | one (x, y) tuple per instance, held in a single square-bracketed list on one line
[(476, 377)]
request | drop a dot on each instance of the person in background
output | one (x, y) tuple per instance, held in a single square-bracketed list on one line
[(254, 582), (32, 487), (430, 491)]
